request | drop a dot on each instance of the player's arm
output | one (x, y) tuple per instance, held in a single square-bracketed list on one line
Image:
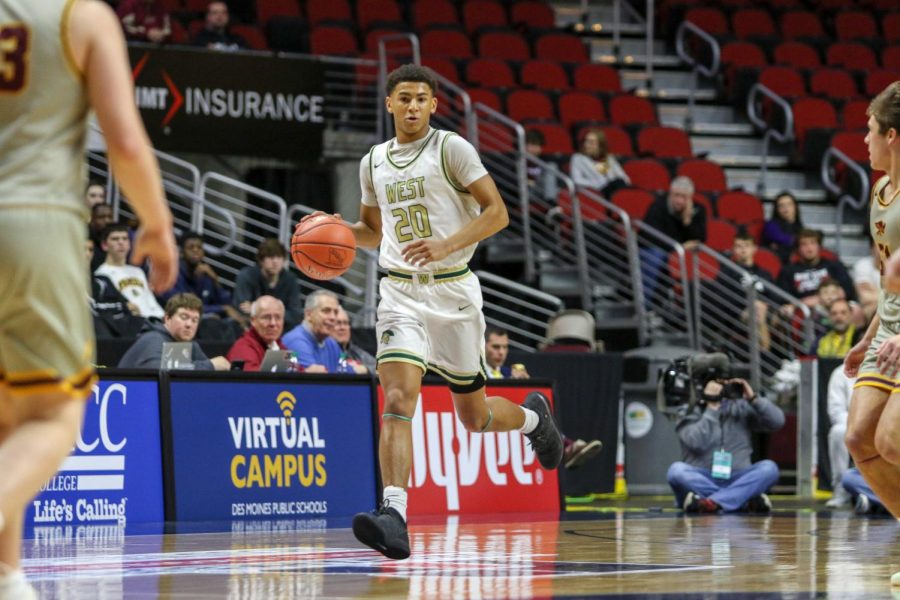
[(368, 229), (98, 48)]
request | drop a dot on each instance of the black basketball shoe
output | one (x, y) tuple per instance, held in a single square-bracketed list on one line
[(383, 530), (545, 439)]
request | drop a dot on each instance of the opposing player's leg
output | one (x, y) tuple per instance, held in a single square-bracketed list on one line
[(866, 409), (385, 529)]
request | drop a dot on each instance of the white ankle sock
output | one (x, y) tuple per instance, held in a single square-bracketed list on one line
[(531, 420), (395, 497)]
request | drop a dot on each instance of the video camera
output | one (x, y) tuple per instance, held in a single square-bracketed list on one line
[(683, 380)]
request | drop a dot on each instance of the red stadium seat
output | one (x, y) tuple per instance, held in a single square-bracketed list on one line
[(370, 12), (590, 209), (592, 77), (810, 113), (447, 43), (749, 23), (833, 83), (327, 10), (634, 202), (709, 266), (784, 81), (879, 79), (743, 54), (648, 174), (852, 144), (561, 47), (486, 97), (522, 105), (503, 45), (557, 139), (276, 8), (442, 66), (890, 57), (617, 139), (664, 142), (850, 55), (479, 14), (577, 107), (853, 114), (335, 41), (891, 27), (374, 35), (490, 72), (625, 109), (708, 177), (855, 25), (743, 210), (494, 137), (768, 260), (798, 55), (543, 74), (253, 35), (720, 234), (705, 202), (801, 24), (711, 20), (532, 14), (179, 35), (427, 13)]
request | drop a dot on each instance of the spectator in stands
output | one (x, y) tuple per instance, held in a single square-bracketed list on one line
[(867, 279), (317, 351), (269, 277), (129, 280), (595, 168), (354, 359), (113, 314), (716, 473), (541, 180), (496, 350), (179, 325), (780, 232), (215, 34), (101, 217), (94, 194), (803, 278), (197, 277), (842, 334), (144, 21), (680, 219), (840, 388), (266, 327), (866, 502), (677, 216), (830, 291)]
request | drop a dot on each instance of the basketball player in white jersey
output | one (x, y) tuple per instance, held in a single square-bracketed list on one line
[(873, 423), (427, 201), (58, 58)]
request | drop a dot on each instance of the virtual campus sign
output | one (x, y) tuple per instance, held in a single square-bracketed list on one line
[(93, 487), (226, 103), (254, 450)]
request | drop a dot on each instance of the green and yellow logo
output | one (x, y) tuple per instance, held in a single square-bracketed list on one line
[(386, 337)]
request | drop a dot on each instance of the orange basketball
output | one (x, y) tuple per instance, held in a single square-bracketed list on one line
[(323, 247)]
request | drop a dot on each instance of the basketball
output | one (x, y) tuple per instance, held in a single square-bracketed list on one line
[(323, 247)]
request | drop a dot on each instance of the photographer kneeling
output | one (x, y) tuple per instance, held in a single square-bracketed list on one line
[(717, 473)]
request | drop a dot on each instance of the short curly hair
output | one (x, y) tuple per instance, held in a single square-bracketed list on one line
[(415, 73)]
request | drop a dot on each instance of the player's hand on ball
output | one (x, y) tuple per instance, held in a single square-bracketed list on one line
[(422, 252)]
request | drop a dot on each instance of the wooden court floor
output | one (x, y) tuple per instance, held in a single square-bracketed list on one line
[(616, 554)]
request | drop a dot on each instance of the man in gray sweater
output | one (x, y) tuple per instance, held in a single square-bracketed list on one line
[(716, 473), (180, 322)]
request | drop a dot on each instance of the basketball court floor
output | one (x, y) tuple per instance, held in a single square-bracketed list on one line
[(612, 553)]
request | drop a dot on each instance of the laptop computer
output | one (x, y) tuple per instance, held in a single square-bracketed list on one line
[(279, 361), (177, 356)]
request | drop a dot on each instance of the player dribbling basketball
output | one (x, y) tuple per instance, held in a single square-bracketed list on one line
[(427, 201)]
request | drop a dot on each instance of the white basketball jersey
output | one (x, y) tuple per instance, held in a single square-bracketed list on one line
[(418, 199)]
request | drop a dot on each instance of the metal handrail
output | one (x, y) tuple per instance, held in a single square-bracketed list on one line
[(844, 199), (696, 66), (284, 235), (524, 300), (520, 174), (770, 132)]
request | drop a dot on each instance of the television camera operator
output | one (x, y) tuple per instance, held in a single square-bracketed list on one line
[(715, 416)]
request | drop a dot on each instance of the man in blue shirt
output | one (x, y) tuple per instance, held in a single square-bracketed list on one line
[(317, 351)]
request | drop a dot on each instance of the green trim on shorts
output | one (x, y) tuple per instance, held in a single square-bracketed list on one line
[(402, 356), (441, 276), (459, 378)]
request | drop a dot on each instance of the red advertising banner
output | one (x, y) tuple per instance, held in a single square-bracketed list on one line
[(457, 472)]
